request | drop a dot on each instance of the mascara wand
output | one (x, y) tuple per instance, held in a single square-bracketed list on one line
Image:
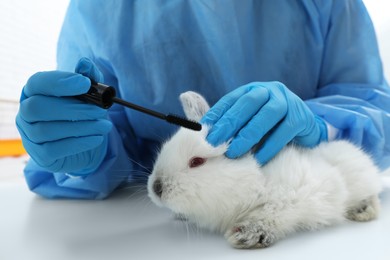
[(105, 96)]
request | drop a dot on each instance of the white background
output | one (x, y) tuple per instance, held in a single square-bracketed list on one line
[(28, 39)]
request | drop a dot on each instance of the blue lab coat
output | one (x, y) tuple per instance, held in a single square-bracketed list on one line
[(151, 51)]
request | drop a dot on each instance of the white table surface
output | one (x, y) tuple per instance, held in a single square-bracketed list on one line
[(129, 226)]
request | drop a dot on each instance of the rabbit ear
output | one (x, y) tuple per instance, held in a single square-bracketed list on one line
[(194, 105)]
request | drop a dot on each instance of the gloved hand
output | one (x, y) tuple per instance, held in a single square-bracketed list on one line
[(62, 133), (252, 111)]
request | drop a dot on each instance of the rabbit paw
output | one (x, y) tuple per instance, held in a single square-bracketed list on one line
[(366, 210), (249, 234)]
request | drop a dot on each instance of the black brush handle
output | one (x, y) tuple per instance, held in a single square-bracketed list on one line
[(105, 96), (173, 119), (100, 95), (138, 108)]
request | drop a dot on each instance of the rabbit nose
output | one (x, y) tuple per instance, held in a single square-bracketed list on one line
[(158, 188)]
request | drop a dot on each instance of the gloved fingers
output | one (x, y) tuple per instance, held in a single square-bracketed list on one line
[(249, 136), (314, 133), (276, 140), (71, 164), (238, 115), (56, 83), (80, 164), (87, 68), (224, 104), (47, 153), (266, 119), (42, 132), (44, 108)]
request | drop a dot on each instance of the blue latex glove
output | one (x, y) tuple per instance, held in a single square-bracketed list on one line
[(252, 111), (62, 133)]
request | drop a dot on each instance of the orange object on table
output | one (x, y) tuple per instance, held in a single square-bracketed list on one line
[(11, 147)]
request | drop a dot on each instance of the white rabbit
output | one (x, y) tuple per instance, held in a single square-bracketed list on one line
[(253, 205)]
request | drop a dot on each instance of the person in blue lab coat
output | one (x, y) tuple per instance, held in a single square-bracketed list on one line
[(303, 71)]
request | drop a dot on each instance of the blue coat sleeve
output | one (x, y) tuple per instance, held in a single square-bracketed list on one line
[(353, 95)]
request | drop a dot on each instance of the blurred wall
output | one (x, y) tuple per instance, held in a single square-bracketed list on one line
[(28, 39), (379, 11)]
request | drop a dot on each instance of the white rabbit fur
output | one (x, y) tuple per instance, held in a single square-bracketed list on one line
[(253, 205)]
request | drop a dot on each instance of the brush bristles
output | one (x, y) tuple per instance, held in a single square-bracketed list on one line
[(177, 120)]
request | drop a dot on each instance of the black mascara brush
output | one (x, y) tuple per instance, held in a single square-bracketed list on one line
[(104, 96)]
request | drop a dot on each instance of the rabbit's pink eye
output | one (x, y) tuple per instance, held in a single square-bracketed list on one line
[(196, 161)]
